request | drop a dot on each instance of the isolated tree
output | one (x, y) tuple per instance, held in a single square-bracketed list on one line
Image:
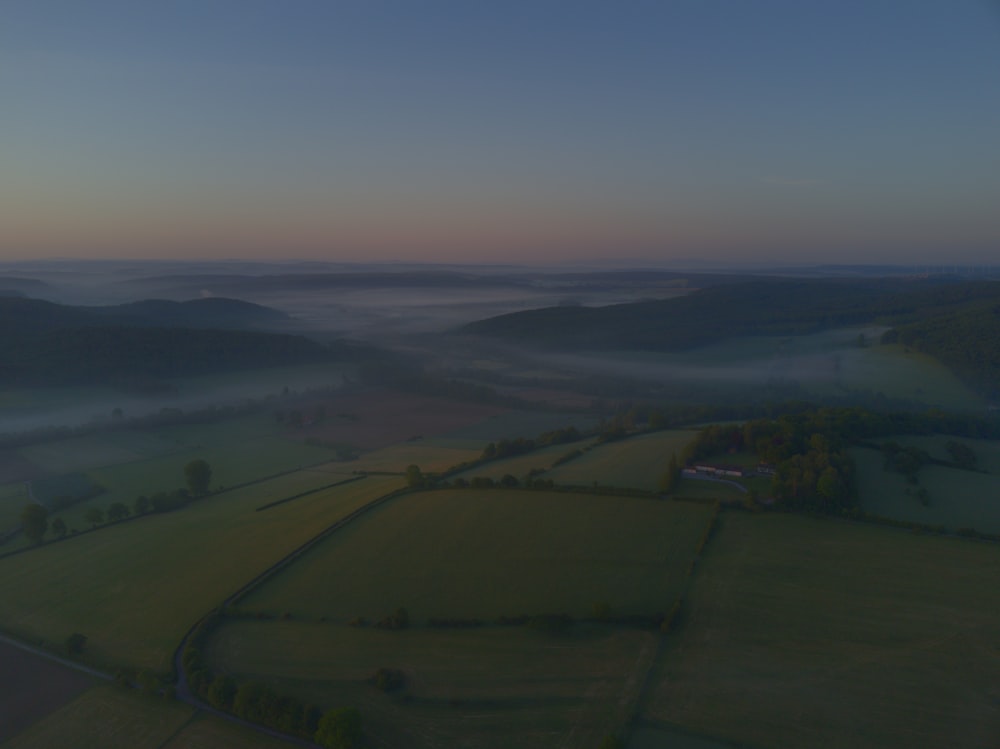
[(94, 516), (197, 474), (117, 511), (35, 522), (414, 476), (75, 643), (59, 528), (141, 506), (339, 728)]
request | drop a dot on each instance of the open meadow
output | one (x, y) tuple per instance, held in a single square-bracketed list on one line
[(956, 499), (635, 463), (464, 687), (135, 587), (491, 553), (813, 632)]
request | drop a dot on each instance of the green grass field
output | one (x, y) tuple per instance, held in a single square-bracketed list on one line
[(987, 451), (134, 588), (636, 463), (811, 632), (957, 499), (489, 688), (101, 449), (511, 425), (485, 554)]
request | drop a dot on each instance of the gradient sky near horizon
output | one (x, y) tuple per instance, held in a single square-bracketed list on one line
[(655, 131)]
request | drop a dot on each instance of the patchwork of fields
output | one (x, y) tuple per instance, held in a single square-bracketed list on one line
[(134, 588), (485, 554)]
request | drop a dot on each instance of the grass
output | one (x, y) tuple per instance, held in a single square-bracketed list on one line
[(134, 588), (957, 499), (107, 717), (637, 462), (987, 451), (511, 425), (520, 465), (472, 688), (100, 449), (812, 632), (485, 554), (429, 457)]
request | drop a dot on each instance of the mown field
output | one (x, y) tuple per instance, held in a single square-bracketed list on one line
[(134, 588), (486, 688), (956, 498), (486, 554), (635, 463), (811, 632)]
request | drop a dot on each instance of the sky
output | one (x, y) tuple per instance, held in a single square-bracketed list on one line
[(494, 131)]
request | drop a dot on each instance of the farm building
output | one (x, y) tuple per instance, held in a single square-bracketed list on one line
[(720, 469)]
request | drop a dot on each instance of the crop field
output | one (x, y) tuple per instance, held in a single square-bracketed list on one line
[(811, 632), (469, 687), (956, 498), (134, 588), (520, 465), (32, 687), (491, 553), (636, 463), (106, 717), (429, 456), (375, 419), (513, 424)]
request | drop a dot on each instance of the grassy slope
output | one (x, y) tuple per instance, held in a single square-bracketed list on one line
[(135, 588), (638, 462), (805, 632), (480, 688), (491, 553), (958, 499)]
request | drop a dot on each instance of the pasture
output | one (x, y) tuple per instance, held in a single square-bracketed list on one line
[(956, 498), (814, 632), (134, 588), (101, 449), (491, 553), (472, 687), (636, 463)]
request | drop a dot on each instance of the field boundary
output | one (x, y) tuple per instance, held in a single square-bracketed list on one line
[(306, 493)]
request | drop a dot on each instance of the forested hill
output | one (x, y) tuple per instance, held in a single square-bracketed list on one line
[(26, 316), (956, 322), (49, 344)]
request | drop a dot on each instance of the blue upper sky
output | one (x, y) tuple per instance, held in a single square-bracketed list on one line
[(656, 130)]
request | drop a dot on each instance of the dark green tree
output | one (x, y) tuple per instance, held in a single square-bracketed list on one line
[(197, 475), (75, 643), (35, 522), (117, 511), (94, 516), (339, 728), (141, 506), (59, 527), (414, 476)]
